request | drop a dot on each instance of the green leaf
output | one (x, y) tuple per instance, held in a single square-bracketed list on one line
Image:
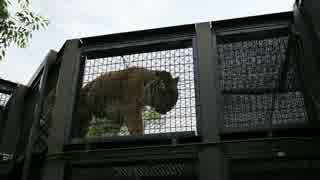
[(18, 28), (151, 115)]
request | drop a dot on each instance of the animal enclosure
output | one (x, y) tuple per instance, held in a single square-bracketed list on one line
[(179, 62), (218, 100)]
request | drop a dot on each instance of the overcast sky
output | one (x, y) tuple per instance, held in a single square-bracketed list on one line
[(78, 18)]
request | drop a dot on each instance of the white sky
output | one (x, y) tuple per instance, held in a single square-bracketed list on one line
[(78, 18)]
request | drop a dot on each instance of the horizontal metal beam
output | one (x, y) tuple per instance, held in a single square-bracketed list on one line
[(36, 76), (232, 146), (282, 148), (141, 46), (252, 28), (134, 140), (7, 87), (265, 19), (257, 91), (138, 35), (121, 155)]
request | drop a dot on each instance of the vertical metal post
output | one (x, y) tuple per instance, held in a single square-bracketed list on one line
[(65, 97), (49, 60), (213, 164), (12, 129), (2, 111), (13, 126), (210, 96), (212, 160), (309, 39), (63, 109)]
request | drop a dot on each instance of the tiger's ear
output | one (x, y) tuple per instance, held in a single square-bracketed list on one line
[(162, 74)]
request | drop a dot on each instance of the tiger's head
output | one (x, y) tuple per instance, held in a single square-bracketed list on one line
[(164, 94)]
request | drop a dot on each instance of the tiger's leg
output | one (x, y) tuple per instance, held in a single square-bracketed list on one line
[(81, 121), (112, 124), (133, 106), (80, 126), (134, 121)]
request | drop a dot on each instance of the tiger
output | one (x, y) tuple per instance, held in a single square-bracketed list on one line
[(119, 97)]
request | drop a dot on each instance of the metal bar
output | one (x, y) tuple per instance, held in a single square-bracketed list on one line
[(139, 45), (196, 84), (65, 97), (125, 157), (139, 35), (54, 170), (256, 91), (2, 121), (254, 20), (139, 139), (213, 164), (39, 70), (123, 151), (13, 129), (63, 108), (208, 82), (212, 160), (306, 39), (49, 60), (252, 29), (311, 15), (7, 87), (225, 130), (258, 35)]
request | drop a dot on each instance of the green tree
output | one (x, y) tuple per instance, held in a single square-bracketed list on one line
[(17, 22)]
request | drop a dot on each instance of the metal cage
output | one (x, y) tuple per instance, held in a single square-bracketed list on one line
[(178, 60)]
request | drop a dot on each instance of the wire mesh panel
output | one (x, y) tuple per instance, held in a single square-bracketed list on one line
[(40, 145), (143, 170), (248, 111), (4, 98), (178, 62), (163, 170), (260, 85)]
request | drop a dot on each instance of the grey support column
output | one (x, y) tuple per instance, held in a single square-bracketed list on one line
[(213, 164)]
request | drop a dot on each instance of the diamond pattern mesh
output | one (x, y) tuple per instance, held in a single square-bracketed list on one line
[(250, 79), (253, 111), (40, 144), (164, 169)]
